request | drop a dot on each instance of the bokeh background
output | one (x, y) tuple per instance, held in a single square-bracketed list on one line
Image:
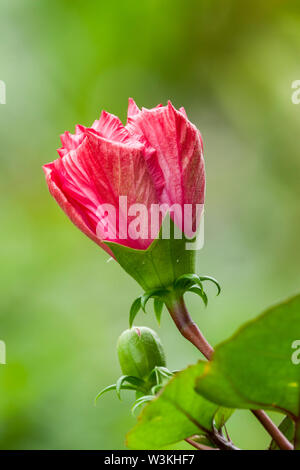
[(62, 306)]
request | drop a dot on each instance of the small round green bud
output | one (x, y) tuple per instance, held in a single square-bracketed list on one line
[(140, 350)]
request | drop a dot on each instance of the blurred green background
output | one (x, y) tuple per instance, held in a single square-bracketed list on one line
[(62, 307)]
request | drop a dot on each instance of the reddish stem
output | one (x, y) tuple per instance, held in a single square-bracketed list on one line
[(198, 446), (273, 430), (188, 327)]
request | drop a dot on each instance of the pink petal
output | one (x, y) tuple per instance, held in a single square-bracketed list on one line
[(73, 211), (179, 153), (71, 141), (156, 158), (132, 108), (182, 110), (110, 127), (98, 172)]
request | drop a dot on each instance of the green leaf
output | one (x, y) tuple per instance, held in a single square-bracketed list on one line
[(287, 427), (158, 308), (222, 416), (134, 310), (161, 264), (297, 435), (175, 414), (254, 369)]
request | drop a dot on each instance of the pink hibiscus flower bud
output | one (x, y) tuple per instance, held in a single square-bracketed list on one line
[(121, 185), (108, 174)]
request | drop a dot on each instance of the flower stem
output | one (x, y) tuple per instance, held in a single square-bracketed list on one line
[(273, 430), (198, 446), (187, 326), (192, 333), (297, 435)]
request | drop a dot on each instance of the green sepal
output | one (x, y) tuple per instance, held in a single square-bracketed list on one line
[(159, 375), (140, 402), (134, 310), (213, 280), (201, 293), (156, 388), (141, 302), (193, 283), (158, 308), (156, 293), (165, 260), (138, 383), (112, 387), (187, 280)]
